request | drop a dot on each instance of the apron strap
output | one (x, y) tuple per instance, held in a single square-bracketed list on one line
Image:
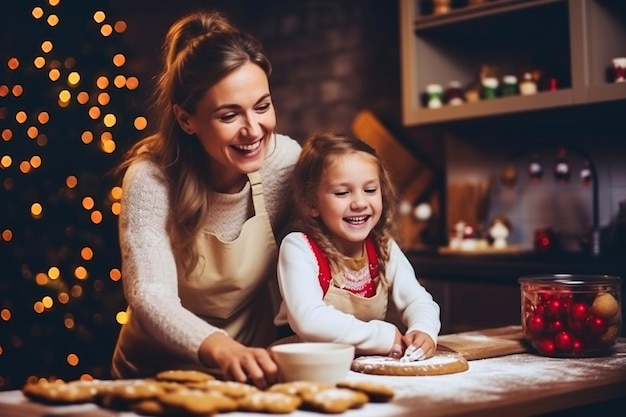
[(325, 275), (257, 192)]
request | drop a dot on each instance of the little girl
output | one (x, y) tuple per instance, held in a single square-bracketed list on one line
[(339, 272)]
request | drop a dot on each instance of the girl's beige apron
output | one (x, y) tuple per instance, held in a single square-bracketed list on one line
[(233, 287), (364, 309)]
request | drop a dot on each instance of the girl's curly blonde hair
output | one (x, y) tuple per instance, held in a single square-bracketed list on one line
[(318, 151)]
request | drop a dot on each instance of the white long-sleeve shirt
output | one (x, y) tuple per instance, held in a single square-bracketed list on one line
[(148, 266), (312, 319)]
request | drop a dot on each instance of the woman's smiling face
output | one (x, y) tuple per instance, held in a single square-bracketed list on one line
[(349, 200), (234, 122)]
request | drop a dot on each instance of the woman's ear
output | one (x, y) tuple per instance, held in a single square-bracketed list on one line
[(182, 117)]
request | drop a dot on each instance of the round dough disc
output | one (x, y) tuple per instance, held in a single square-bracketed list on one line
[(441, 363)]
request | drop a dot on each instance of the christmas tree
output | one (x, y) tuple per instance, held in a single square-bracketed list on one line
[(67, 105)]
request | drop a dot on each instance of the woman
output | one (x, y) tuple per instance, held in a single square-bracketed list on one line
[(204, 202)]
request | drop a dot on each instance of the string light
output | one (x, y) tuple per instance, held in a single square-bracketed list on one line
[(60, 124)]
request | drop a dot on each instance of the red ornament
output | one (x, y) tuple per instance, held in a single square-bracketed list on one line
[(563, 341)]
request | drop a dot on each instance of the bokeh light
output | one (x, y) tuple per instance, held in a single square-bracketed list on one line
[(67, 93)]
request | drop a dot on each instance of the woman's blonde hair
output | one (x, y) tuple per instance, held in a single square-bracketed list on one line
[(198, 51), (318, 151)]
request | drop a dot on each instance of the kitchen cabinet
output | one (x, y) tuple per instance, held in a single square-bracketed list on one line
[(467, 305), (573, 41)]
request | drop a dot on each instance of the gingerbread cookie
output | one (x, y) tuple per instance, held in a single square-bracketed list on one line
[(334, 400), (440, 364), (231, 389), (269, 402), (376, 392), (299, 387), (183, 375), (60, 392), (197, 402)]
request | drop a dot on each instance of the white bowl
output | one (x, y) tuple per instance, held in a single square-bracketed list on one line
[(317, 362)]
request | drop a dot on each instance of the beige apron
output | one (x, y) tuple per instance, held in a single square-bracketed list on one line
[(233, 287), (364, 309)]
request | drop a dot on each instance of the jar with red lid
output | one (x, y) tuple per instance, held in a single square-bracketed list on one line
[(567, 315)]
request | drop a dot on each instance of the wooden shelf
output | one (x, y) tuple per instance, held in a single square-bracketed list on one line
[(477, 11), (573, 40)]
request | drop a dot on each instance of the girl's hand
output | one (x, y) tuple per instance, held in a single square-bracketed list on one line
[(419, 346), (238, 362)]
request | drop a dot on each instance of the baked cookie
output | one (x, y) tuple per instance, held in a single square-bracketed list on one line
[(333, 400), (440, 364), (198, 402), (269, 402), (231, 389), (60, 392), (377, 393), (151, 407), (121, 394), (299, 387), (183, 375)]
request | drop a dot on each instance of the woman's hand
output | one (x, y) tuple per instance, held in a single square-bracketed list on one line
[(238, 362), (419, 346)]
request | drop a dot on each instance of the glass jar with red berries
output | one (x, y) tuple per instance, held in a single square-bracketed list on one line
[(568, 315)]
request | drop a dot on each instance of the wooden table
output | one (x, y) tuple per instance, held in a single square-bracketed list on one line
[(514, 385)]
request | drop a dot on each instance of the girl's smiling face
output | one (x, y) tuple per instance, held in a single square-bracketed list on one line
[(234, 122), (349, 200)]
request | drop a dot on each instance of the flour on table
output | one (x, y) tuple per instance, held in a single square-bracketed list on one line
[(388, 361), (490, 379)]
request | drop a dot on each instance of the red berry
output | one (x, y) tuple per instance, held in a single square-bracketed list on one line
[(597, 325), (578, 311), (555, 325), (563, 341), (545, 347), (577, 348), (554, 306), (535, 324)]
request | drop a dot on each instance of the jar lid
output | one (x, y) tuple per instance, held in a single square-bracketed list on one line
[(578, 280)]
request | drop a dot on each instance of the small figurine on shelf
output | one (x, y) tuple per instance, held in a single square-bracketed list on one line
[(527, 86), (454, 94), (435, 92), (490, 87), (619, 69), (456, 236), (499, 231), (509, 85), (472, 94)]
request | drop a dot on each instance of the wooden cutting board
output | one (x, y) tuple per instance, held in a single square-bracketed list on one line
[(488, 343)]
